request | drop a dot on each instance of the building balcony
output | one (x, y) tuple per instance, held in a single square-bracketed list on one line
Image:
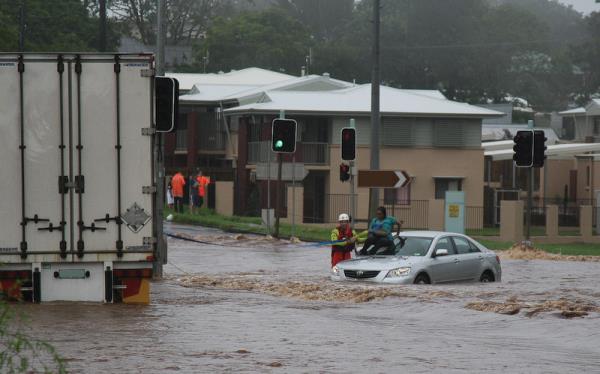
[(309, 153)]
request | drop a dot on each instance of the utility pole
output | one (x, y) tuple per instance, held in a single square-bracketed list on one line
[(352, 185), (22, 26), (375, 115), (159, 146), (102, 46), (160, 39)]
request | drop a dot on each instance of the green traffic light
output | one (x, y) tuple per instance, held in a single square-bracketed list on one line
[(279, 144)]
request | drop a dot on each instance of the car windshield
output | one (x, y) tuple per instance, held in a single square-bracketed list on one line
[(412, 246)]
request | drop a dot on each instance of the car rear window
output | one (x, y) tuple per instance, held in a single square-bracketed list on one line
[(412, 246)]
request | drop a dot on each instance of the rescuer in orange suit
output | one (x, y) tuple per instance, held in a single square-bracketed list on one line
[(200, 182), (343, 240), (177, 184)]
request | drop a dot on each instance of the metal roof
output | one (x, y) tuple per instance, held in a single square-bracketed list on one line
[(592, 108), (248, 76), (495, 133), (357, 100), (211, 93), (203, 93)]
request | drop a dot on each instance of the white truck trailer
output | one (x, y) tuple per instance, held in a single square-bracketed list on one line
[(80, 177)]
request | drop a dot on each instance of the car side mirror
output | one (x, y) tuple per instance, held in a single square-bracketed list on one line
[(440, 252)]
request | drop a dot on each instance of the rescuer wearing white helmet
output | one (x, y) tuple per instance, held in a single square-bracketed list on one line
[(343, 240)]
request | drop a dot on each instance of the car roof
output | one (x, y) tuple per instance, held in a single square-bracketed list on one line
[(427, 233)]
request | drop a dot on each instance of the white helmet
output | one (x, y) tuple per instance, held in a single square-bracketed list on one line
[(344, 217)]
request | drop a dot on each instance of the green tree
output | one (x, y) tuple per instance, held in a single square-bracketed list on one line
[(270, 39), (185, 20), (58, 25), (587, 58), (324, 18)]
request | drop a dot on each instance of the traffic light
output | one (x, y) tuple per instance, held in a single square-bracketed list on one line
[(344, 172), (348, 144), (539, 148), (283, 135), (523, 148), (166, 104)]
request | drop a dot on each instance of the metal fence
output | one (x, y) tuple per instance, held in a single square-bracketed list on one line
[(260, 152), (314, 153), (474, 217), (181, 140), (212, 141), (415, 214), (478, 222), (336, 204)]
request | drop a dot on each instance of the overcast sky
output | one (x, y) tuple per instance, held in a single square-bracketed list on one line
[(583, 6)]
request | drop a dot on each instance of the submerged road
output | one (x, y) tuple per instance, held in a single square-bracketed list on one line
[(191, 327)]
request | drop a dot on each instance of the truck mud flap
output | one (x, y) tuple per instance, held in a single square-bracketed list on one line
[(37, 285), (108, 285), (132, 286), (16, 285)]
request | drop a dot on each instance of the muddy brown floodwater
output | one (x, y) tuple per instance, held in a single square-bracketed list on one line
[(260, 306)]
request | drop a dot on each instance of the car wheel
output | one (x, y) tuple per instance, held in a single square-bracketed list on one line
[(487, 277), (422, 279)]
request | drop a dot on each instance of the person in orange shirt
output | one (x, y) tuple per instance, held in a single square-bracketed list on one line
[(200, 183), (177, 184)]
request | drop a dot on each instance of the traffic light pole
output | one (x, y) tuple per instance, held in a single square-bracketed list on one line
[(352, 195), (529, 204), (278, 195), (529, 191), (352, 186)]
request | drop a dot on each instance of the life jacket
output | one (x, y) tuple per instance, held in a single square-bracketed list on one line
[(344, 235), (177, 184), (202, 182)]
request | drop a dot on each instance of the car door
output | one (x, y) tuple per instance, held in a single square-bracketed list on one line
[(443, 268), (469, 258)]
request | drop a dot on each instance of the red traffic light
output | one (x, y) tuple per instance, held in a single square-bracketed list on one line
[(344, 172), (348, 144)]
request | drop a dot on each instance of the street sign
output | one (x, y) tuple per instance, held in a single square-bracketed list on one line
[(289, 172), (383, 178)]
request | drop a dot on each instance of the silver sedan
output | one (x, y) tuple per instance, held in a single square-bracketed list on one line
[(424, 257)]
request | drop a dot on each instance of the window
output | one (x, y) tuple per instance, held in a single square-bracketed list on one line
[(474, 248), (446, 184), (445, 243), (411, 246), (587, 176), (397, 196), (181, 133), (463, 246), (596, 125)]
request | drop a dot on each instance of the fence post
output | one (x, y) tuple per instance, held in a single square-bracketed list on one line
[(552, 221), (585, 222), (511, 220)]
